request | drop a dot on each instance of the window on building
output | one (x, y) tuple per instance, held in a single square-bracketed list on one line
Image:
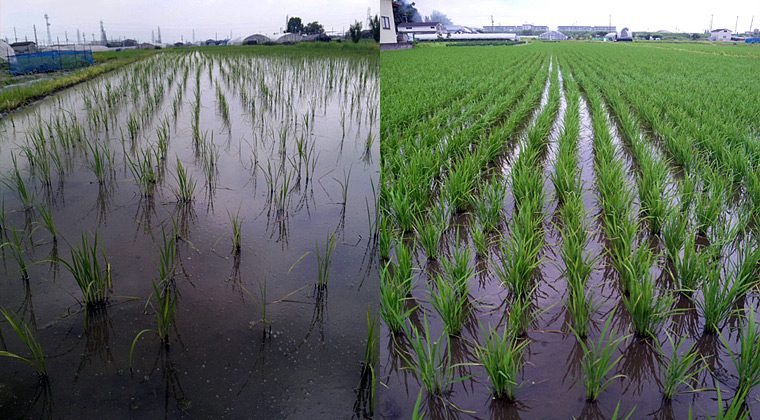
[(386, 22)]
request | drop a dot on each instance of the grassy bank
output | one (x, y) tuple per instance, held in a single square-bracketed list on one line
[(13, 98)]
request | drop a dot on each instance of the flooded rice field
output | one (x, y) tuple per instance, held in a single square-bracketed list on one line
[(191, 237), (562, 263)]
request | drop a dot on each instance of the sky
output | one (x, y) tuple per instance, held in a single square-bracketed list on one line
[(638, 15), (177, 18)]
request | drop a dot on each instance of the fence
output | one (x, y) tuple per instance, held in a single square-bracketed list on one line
[(49, 61)]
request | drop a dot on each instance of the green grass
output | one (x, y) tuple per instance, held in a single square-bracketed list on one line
[(37, 358)]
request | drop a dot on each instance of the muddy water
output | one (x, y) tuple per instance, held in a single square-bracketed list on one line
[(550, 378), (220, 363)]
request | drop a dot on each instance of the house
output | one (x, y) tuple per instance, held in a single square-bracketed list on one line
[(26, 47), (412, 29), (720, 35), (387, 25)]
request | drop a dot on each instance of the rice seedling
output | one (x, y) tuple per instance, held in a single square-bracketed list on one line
[(451, 306), (489, 203), (37, 358), (718, 297), (649, 309), (651, 185), (479, 239), (92, 276), (502, 357), (167, 257), (432, 361), (735, 411), (16, 183), (384, 238), (674, 232), (392, 299), (16, 251), (747, 359), (429, 234), (371, 357), (575, 239), (323, 263), (456, 269), (597, 360), (748, 263), (402, 271), (401, 207), (519, 254), (580, 306), (143, 170), (47, 221), (237, 224), (166, 303), (102, 161), (690, 267), (709, 205), (522, 315), (679, 370), (460, 183), (185, 185)]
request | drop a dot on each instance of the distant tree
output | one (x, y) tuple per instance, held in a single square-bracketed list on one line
[(314, 28), (355, 31), (374, 26), (437, 16), (295, 26), (694, 37), (406, 12)]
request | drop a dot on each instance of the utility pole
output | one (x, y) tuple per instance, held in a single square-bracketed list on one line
[(66, 36), (79, 40), (193, 36), (14, 34), (492, 28), (159, 35), (152, 36), (711, 21), (610, 24), (751, 22), (103, 38), (737, 24), (35, 35), (47, 23)]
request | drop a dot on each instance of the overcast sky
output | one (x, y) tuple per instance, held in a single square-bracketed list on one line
[(136, 18), (638, 15)]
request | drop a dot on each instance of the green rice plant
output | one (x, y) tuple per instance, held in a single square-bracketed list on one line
[(718, 297), (690, 267), (502, 357), (597, 360), (102, 161), (167, 257), (47, 220), (648, 308), (185, 185), (522, 315), (16, 183), (456, 269), (575, 239), (674, 232), (384, 238), (432, 361), (580, 305), (747, 359), (237, 224), (489, 203), (402, 271), (748, 263), (37, 358), (416, 414), (527, 182), (736, 410), (16, 251), (479, 239), (460, 182), (450, 305), (686, 192), (164, 309), (371, 357), (323, 262), (392, 299), (429, 234), (519, 253), (679, 370), (651, 185), (722, 234), (402, 209), (709, 205), (92, 277), (143, 170)]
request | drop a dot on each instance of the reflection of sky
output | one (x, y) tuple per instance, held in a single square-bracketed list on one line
[(645, 15)]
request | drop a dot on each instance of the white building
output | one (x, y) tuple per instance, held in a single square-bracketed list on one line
[(412, 29), (387, 25), (553, 36), (720, 35)]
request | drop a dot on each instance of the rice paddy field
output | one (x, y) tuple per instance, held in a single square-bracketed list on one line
[(190, 236), (569, 231)]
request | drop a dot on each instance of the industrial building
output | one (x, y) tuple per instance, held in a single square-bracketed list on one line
[(575, 28), (723, 35), (413, 29)]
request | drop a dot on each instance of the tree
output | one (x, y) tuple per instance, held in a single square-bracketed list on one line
[(374, 26), (437, 16), (406, 12), (355, 31), (314, 28), (295, 26)]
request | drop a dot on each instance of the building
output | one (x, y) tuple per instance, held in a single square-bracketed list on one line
[(470, 37), (575, 28), (459, 29), (26, 47), (412, 29), (720, 35), (518, 28), (552, 36), (5, 51), (387, 25)]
